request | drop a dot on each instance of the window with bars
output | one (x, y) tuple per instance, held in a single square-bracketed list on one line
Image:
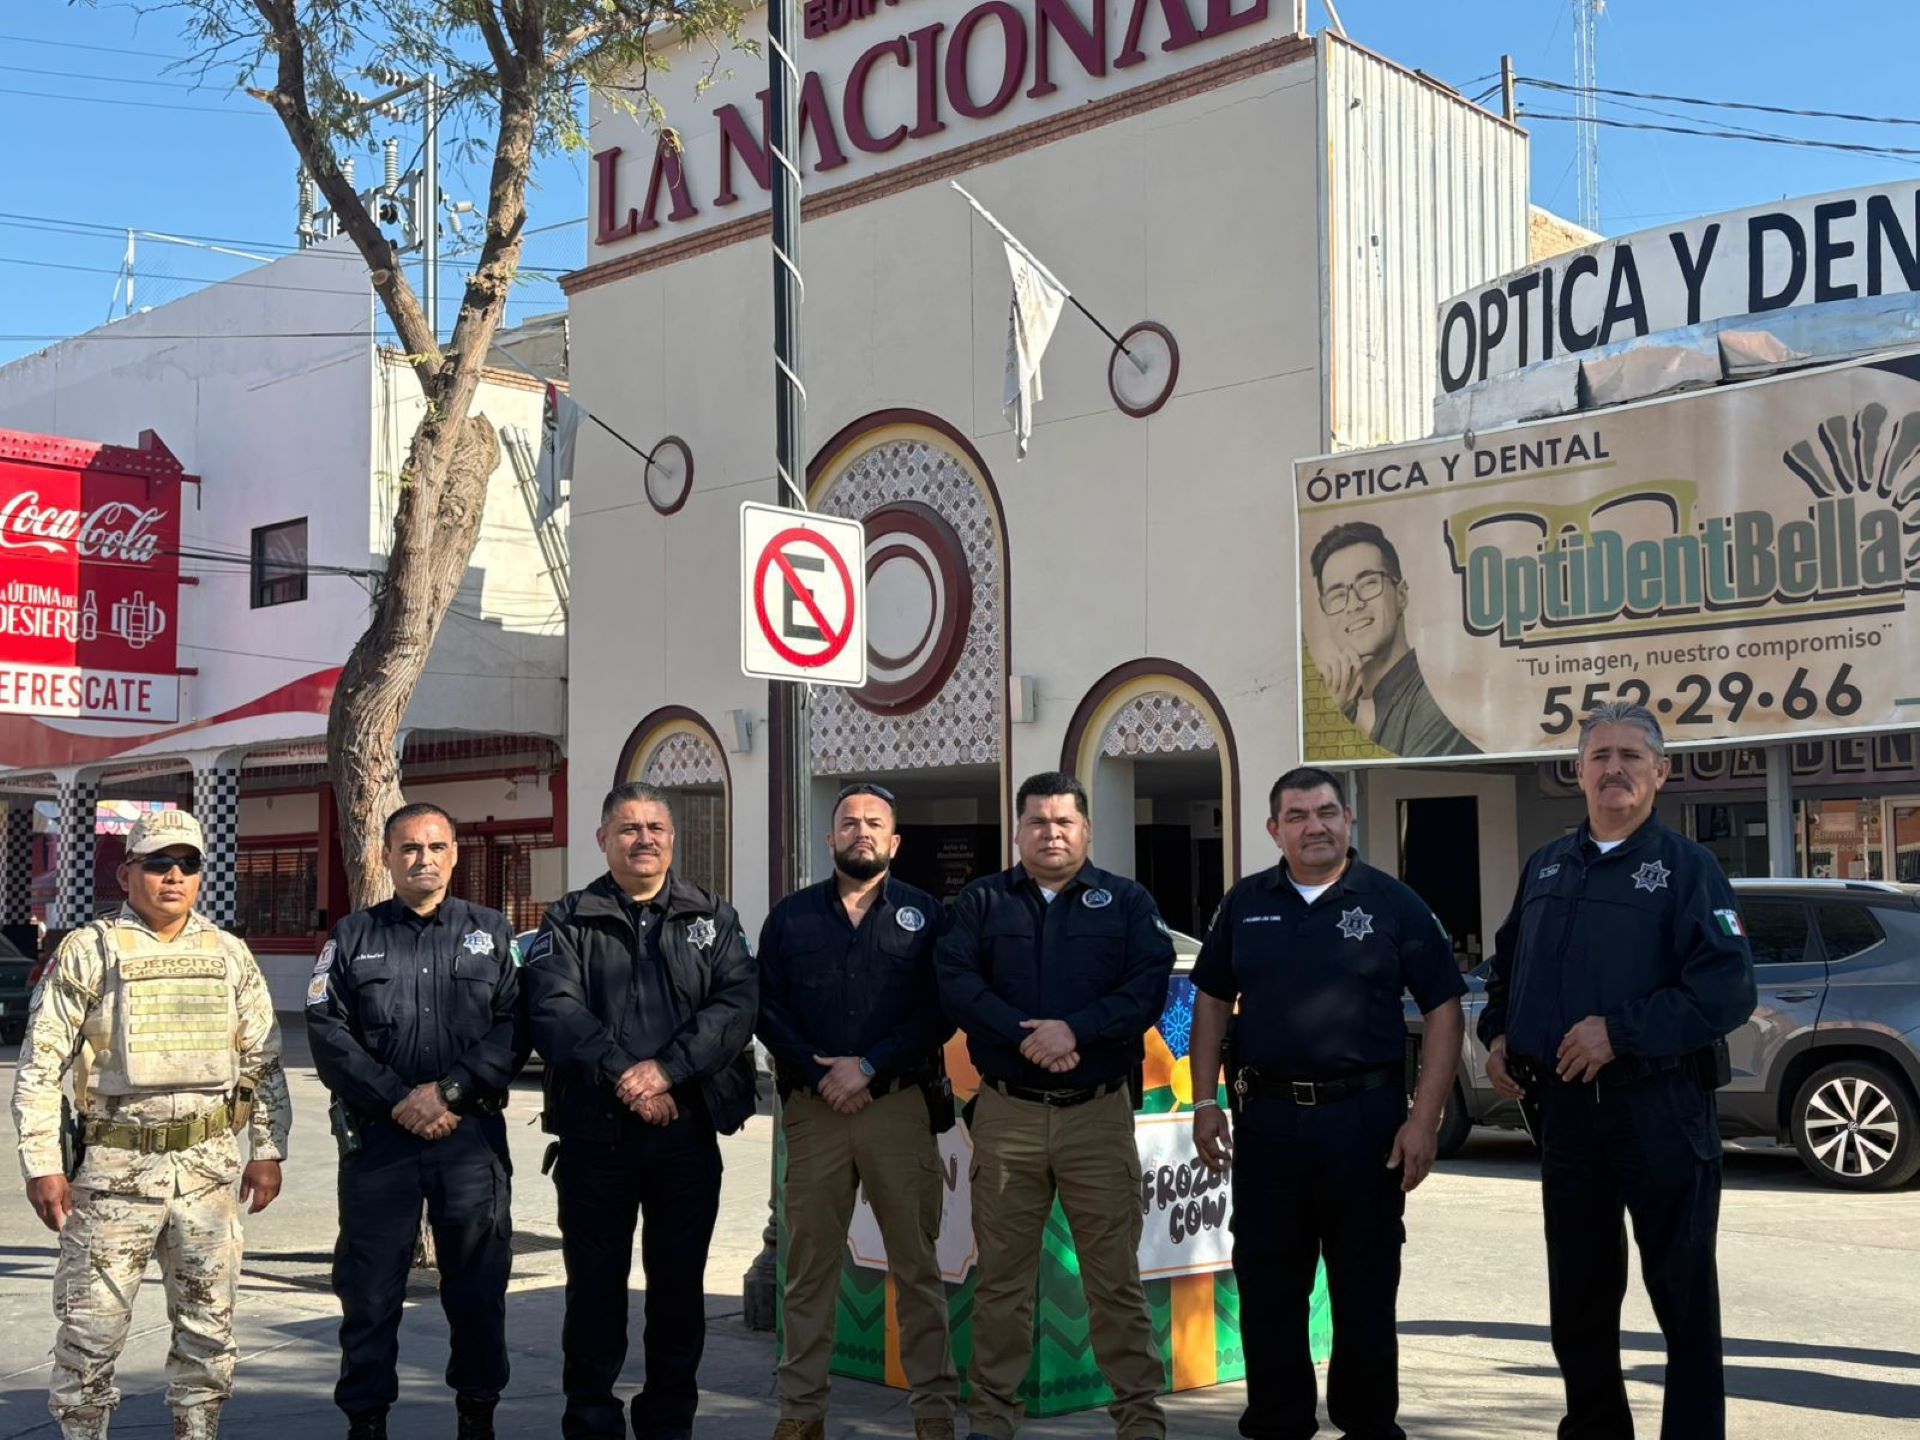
[(275, 889), (497, 871), (279, 563)]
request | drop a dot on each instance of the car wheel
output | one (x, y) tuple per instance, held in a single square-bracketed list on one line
[(1855, 1126), (1455, 1123)]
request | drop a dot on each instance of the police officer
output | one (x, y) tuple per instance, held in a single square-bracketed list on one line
[(1056, 970), (643, 995), (162, 1112), (413, 1015), (850, 1009), (1316, 952), (1613, 985)]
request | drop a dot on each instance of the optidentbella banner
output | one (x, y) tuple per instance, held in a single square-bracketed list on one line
[(1850, 245), (1746, 561)]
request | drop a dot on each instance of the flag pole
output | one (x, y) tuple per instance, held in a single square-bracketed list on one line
[(1051, 278)]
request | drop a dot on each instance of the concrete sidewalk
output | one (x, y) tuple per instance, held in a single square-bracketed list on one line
[(1820, 1294)]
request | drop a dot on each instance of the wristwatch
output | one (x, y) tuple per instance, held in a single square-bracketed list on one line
[(866, 1069), (452, 1092)]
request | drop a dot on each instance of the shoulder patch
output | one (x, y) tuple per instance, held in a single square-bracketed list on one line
[(513, 954), (1162, 926), (327, 955), (317, 989), (539, 947)]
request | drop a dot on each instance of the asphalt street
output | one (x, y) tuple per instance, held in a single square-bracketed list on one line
[(1821, 1295)]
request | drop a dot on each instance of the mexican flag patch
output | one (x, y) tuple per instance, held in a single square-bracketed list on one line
[(1729, 922)]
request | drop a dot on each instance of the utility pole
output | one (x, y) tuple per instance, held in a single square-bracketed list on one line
[(430, 206), (1506, 89), (761, 1286)]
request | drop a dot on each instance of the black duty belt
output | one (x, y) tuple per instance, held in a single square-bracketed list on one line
[(1250, 1084), (1621, 1070), (1058, 1099)]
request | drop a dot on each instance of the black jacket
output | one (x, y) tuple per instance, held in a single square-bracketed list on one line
[(578, 982), (398, 1000), (1647, 936), (1098, 957)]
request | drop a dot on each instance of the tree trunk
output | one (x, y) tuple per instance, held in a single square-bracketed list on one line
[(443, 496)]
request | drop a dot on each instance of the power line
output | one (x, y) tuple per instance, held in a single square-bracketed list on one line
[(262, 113), (1726, 104), (102, 49), (1756, 137), (105, 79)]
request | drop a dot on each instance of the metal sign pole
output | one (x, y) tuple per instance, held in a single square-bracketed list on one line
[(790, 400), (790, 396)]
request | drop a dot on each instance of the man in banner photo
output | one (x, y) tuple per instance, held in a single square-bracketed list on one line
[(1744, 562), (1361, 649)]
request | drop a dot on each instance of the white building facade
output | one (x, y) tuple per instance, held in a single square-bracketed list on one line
[(1288, 210), (272, 394)]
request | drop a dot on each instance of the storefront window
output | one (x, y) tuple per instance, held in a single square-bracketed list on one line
[(275, 890), (1840, 839), (1737, 836), (1905, 841)]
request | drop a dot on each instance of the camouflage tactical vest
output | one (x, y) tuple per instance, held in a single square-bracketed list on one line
[(174, 1016)]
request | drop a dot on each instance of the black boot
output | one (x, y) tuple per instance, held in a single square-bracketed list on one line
[(476, 1417), (367, 1425)]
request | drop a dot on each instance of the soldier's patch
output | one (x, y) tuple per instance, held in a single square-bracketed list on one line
[(701, 933), (909, 918), (325, 962), (317, 990), (174, 967), (478, 942), (1097, 899)]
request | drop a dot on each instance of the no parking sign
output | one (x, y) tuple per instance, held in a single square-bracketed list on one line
[(803, 596)]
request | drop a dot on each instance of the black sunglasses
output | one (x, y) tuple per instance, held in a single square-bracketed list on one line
[(864, 787), (162, 864)]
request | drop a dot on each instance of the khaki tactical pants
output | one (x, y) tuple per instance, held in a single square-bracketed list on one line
[(104, 1249), (1023, 1154), (889, 1149)]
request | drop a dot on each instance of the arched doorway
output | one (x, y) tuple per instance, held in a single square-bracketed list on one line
[(675, 749), (1152, 744), (931, 723)]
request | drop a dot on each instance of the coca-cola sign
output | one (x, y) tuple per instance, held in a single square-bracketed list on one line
[(116, 530), (89, 579)]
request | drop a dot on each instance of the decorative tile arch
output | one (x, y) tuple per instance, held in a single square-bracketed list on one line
[(1156, 706)]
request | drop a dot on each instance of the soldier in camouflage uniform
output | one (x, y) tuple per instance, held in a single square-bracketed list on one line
[(178, 1052)]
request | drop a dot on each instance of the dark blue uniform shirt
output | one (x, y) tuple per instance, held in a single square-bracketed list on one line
[(655, 1021), (1319, 985), (399, 1000), (1646, 935), (1097, 957), (827, 988)]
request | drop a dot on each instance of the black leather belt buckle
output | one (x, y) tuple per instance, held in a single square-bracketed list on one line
[(1304, 1092), (1065, 1099)]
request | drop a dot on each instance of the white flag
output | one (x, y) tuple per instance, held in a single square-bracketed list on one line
[(559, 431), (1037, 300)]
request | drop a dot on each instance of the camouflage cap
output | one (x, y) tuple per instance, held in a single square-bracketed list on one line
[(164, 828)]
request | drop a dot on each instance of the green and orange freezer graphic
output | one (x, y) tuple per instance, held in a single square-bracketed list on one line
[(1185, 1252)]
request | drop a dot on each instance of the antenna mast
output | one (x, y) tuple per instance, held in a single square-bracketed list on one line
[(1586, 75)]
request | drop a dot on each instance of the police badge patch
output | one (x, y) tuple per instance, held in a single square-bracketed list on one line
[(478, 942), (909, 918), (1097, 899), (1355, 924), (701, 932), (1651, 876)]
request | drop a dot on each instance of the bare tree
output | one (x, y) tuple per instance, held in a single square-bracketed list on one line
[(513, 73)]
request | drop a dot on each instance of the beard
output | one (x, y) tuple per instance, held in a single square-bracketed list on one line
[(859, 867)]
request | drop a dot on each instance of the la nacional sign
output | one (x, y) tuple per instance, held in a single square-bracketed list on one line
[(886, 83)]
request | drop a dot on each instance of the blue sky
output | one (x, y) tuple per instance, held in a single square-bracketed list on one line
[(101, 136)]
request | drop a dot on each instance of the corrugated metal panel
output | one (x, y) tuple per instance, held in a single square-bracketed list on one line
[(1423, 196)]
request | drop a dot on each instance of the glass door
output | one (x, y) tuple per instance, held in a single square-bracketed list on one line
[(1902, 831)]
